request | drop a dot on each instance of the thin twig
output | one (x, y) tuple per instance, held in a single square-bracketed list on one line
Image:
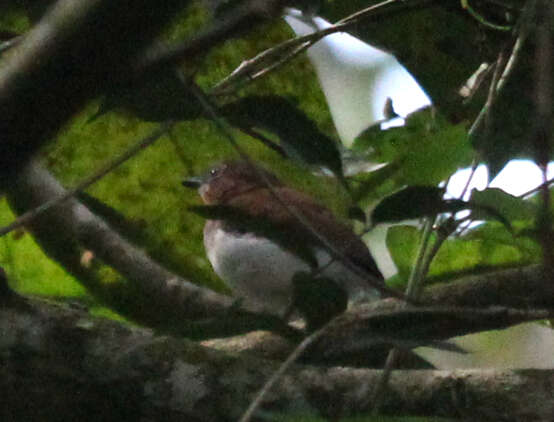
[(510, 65), (242, 19), (364, 13), (264, 140), (28, 216), (417, 274), (429, 256), (274, 57), (463, 225), (474, 166), (277, 375), (481, 19), (412, 292), (536, 189), (484, 114), (499, 80)]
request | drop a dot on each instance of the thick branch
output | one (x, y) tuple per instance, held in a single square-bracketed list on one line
[(69, 366), (355, 332), (527, 287)]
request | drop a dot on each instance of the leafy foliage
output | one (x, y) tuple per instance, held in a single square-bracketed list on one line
[(483, 249), (440, 44), (288, 107)]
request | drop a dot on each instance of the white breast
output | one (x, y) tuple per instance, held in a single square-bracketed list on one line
[(260, 271)]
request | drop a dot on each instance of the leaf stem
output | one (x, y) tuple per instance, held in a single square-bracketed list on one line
[(419, 269)]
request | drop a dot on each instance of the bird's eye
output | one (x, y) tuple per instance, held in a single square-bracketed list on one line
[(214, 171)]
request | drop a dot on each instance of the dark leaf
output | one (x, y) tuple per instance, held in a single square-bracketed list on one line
[(372, 186), (298, 134), (318, 299), (509, 130), (160, 98), (356, 213), (415, 202)]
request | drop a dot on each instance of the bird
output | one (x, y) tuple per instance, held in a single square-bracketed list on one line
[(261, 250)]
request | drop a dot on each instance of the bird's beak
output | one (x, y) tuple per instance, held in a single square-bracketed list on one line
[(192, 182)]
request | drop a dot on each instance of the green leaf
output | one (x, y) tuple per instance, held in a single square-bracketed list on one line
[(402, 243), (427, 150), (495, 234), (367, 188), (509, 206), (461, 257), (415, 202), (486, 248)]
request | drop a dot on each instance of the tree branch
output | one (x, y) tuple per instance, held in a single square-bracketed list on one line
[(526, 287), (71, 366)]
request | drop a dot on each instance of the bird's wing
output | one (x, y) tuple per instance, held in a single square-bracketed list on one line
[(261, 203)]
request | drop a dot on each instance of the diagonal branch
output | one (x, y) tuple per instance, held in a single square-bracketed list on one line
[(157, 297)]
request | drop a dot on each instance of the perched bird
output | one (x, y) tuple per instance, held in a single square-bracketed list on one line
[(257, 246)]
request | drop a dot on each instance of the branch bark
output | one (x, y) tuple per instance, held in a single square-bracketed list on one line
[(68, 365), (527, 287)]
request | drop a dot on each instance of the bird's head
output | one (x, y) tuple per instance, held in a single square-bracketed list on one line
[(228, 179)]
